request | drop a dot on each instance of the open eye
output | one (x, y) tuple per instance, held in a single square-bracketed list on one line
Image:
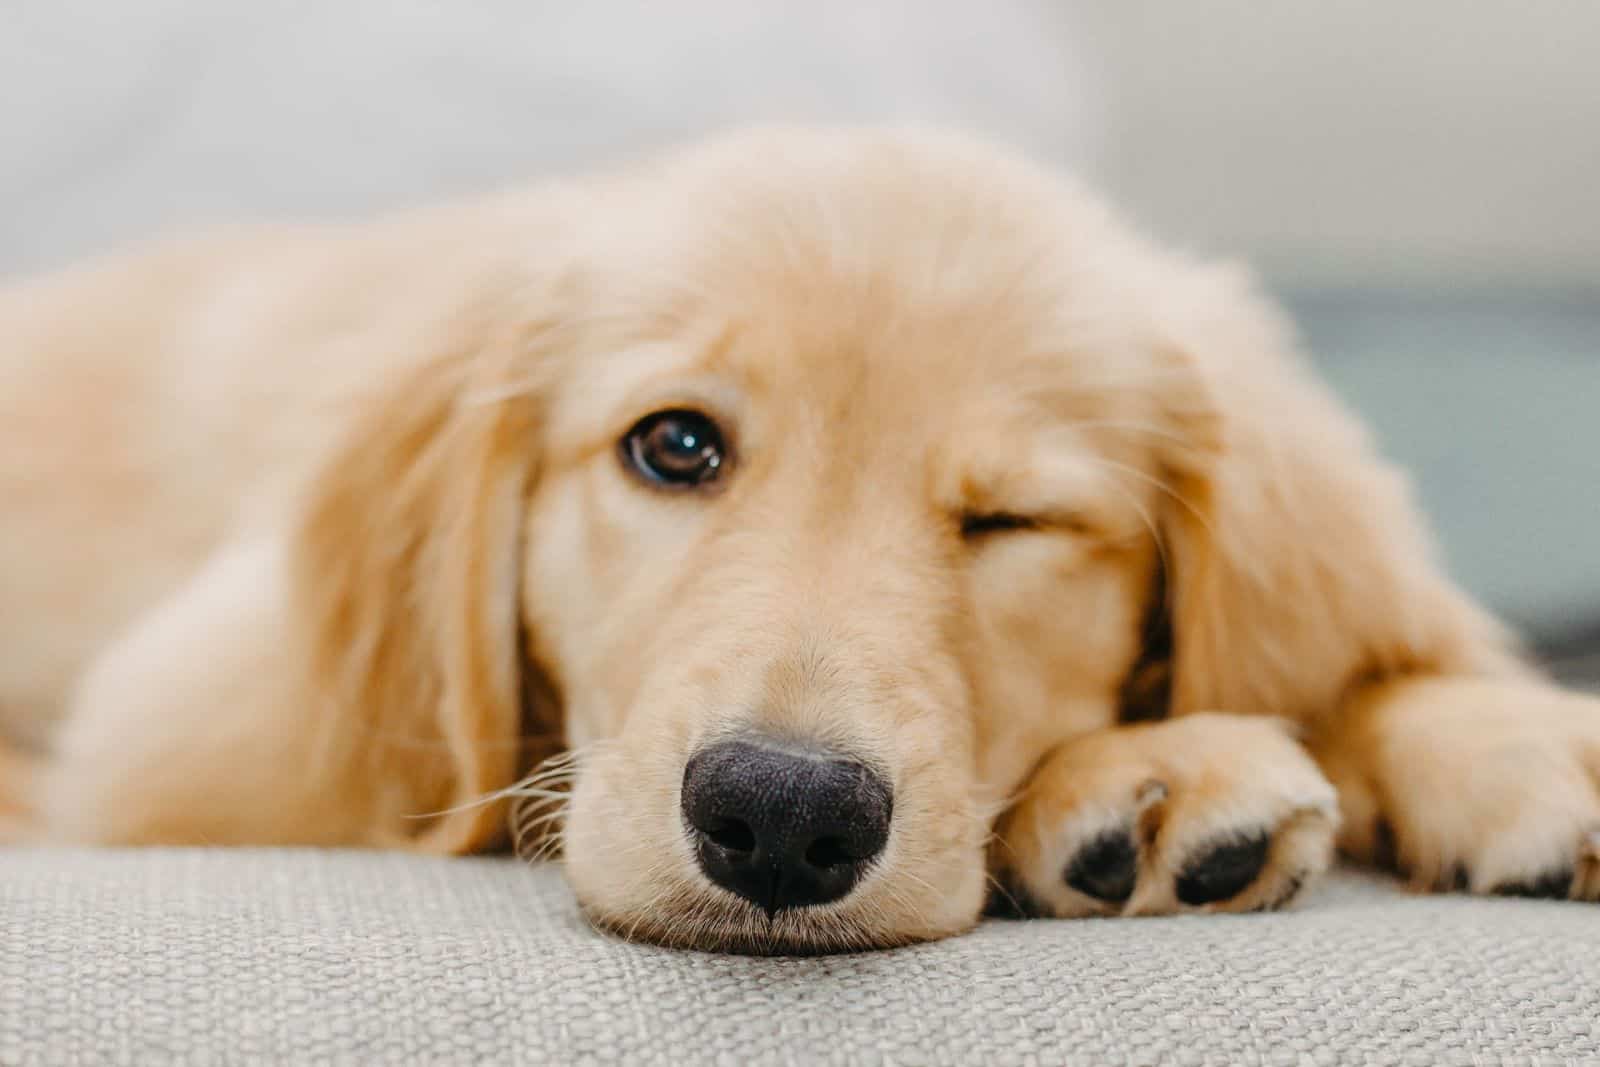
[(675, 449), (975, 525)]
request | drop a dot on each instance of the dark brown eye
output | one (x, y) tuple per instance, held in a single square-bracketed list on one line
[(676, 449), (974, 525)]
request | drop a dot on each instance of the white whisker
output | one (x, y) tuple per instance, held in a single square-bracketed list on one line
[(1161, 485), (558, 770), (1161, 550)]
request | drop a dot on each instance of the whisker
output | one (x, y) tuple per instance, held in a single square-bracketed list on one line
[(558, 769), (543, 820), (1001, 888), (1155, 535), (917, 878), (535, 845), (538, 817), (534, 792), (1161, 485)]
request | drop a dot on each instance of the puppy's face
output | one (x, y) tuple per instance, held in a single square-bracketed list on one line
[(844, 517)]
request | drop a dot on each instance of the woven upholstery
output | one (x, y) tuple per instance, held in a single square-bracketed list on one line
[(220, 957)]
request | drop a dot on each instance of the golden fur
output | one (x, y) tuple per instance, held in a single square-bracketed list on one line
[(321, 536)]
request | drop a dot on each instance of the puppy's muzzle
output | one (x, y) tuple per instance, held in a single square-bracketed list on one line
[(783, 826)]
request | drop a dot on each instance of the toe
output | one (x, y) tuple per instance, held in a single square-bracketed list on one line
[(1223, 870), (1106, 868)]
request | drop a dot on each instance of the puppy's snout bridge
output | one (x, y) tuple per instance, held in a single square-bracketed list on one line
[(784, 827)]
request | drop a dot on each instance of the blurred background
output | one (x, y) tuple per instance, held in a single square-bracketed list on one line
[(1418, 179)]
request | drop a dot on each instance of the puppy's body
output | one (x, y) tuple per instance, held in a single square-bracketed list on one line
[(308, 534), (163, 417)]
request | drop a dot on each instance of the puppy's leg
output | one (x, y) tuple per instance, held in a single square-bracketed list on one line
[(192, 728), (1487, 785), (1207, 812)]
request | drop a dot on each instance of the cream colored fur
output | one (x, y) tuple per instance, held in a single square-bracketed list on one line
[(321, 536)]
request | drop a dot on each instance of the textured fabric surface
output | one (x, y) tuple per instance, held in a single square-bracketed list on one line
[(214, 957)]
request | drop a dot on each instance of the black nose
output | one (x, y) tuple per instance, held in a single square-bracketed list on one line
[(783, 826)]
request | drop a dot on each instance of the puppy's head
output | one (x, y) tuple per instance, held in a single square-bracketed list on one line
[(821, 478)]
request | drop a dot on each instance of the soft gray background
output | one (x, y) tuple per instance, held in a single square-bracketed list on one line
[(1421, 179)]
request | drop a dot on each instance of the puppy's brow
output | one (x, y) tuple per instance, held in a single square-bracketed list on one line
[(717, 355)]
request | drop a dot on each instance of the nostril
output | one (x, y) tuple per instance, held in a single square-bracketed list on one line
[(828, 852), (735, 835)]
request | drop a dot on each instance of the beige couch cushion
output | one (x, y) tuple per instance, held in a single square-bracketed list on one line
[(324, 957)]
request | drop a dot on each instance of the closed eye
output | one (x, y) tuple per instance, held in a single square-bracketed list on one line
[(975, 525)]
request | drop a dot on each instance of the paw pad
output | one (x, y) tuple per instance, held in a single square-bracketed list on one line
[(1224, 870), (1106, 868)]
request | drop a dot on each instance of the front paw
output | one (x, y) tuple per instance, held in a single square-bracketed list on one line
[(1203, 813), (1487, 786)]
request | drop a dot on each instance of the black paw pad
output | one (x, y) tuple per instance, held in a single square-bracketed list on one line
[(1106, 868), (1224, 870), (1551, 884)]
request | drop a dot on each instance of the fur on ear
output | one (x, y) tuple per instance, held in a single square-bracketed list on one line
[(405, 590), (1301, 567)]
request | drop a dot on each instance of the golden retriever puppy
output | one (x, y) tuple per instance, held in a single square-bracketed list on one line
[(839, 505)]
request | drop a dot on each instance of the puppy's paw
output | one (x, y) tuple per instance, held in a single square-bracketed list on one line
[(1492, 787), (1204, 813)]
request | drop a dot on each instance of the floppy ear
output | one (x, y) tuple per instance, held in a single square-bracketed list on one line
[(405, 589), (1300, 566)]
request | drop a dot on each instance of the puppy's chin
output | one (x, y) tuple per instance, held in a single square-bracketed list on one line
[(632, 867), (690, 913), (731, 926)]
